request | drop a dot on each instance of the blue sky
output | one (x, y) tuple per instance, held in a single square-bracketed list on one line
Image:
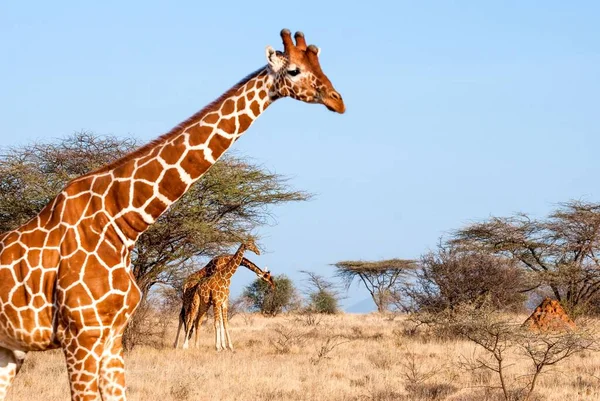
[(455, 110)]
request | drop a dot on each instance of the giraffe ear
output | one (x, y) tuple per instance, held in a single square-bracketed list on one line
[(275, 62)]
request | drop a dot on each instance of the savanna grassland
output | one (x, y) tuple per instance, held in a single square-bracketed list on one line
[(341, 357)]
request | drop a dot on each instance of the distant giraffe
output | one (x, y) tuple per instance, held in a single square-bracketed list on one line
[(214, 290), (65, 275), (215, 264)]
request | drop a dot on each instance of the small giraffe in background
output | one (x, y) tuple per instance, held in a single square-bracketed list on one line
[(215, 264), (214, 290), (192, 292)]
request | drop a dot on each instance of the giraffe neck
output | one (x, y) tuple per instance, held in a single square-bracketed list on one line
[(251, 266), (141, 186), (227, 272)]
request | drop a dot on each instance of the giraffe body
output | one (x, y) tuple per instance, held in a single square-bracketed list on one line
[(65, 277), (214, 291)]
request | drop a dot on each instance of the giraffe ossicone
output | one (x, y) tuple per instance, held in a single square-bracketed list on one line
[(65, 275)]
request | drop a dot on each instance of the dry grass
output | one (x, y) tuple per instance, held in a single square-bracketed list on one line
[(344, 357)]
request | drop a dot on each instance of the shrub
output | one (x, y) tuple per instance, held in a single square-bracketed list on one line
[(272, 302)]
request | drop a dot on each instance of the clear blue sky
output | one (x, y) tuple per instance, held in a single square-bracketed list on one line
[(455, 110)]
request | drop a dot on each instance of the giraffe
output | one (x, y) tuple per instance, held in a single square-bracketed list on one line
[(264, 275), (65, 276), (217, 263), (214, 291)]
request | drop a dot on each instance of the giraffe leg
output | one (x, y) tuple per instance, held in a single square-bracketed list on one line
[(191, 310), (181, 321), (83, 354), (218, 326), (112, 372), (197, 331), (201, 313), (222, 328), (10, 364), (225, 323)]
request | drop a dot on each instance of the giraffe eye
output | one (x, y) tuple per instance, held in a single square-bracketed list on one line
[(294, 72)]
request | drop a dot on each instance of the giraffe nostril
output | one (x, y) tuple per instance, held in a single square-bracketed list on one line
[(335, 95)]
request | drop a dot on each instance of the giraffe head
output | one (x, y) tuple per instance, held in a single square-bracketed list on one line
[(297, 73), (268, 278), (251, 246)]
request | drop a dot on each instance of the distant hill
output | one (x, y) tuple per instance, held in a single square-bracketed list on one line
[(365, 306)]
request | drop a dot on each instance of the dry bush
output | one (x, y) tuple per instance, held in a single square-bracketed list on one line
[(357, 333), (450, 276), (498, 337), (330, 342), (239, 306), (381, 360), (413, 371), (247, 318), (147, 327), (308, 317), (287, 337), (544, 350)]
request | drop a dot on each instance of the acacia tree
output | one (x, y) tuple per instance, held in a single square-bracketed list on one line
[(561, 251), (379, 278), (224, 206)]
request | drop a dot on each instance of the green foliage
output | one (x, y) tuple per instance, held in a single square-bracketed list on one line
[(32, 175), (323, 294), (272, 302), (323, 301)]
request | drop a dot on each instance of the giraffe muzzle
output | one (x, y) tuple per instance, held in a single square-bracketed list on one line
[(334, 102)]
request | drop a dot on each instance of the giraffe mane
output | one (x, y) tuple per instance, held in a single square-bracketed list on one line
[(178, 129)]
